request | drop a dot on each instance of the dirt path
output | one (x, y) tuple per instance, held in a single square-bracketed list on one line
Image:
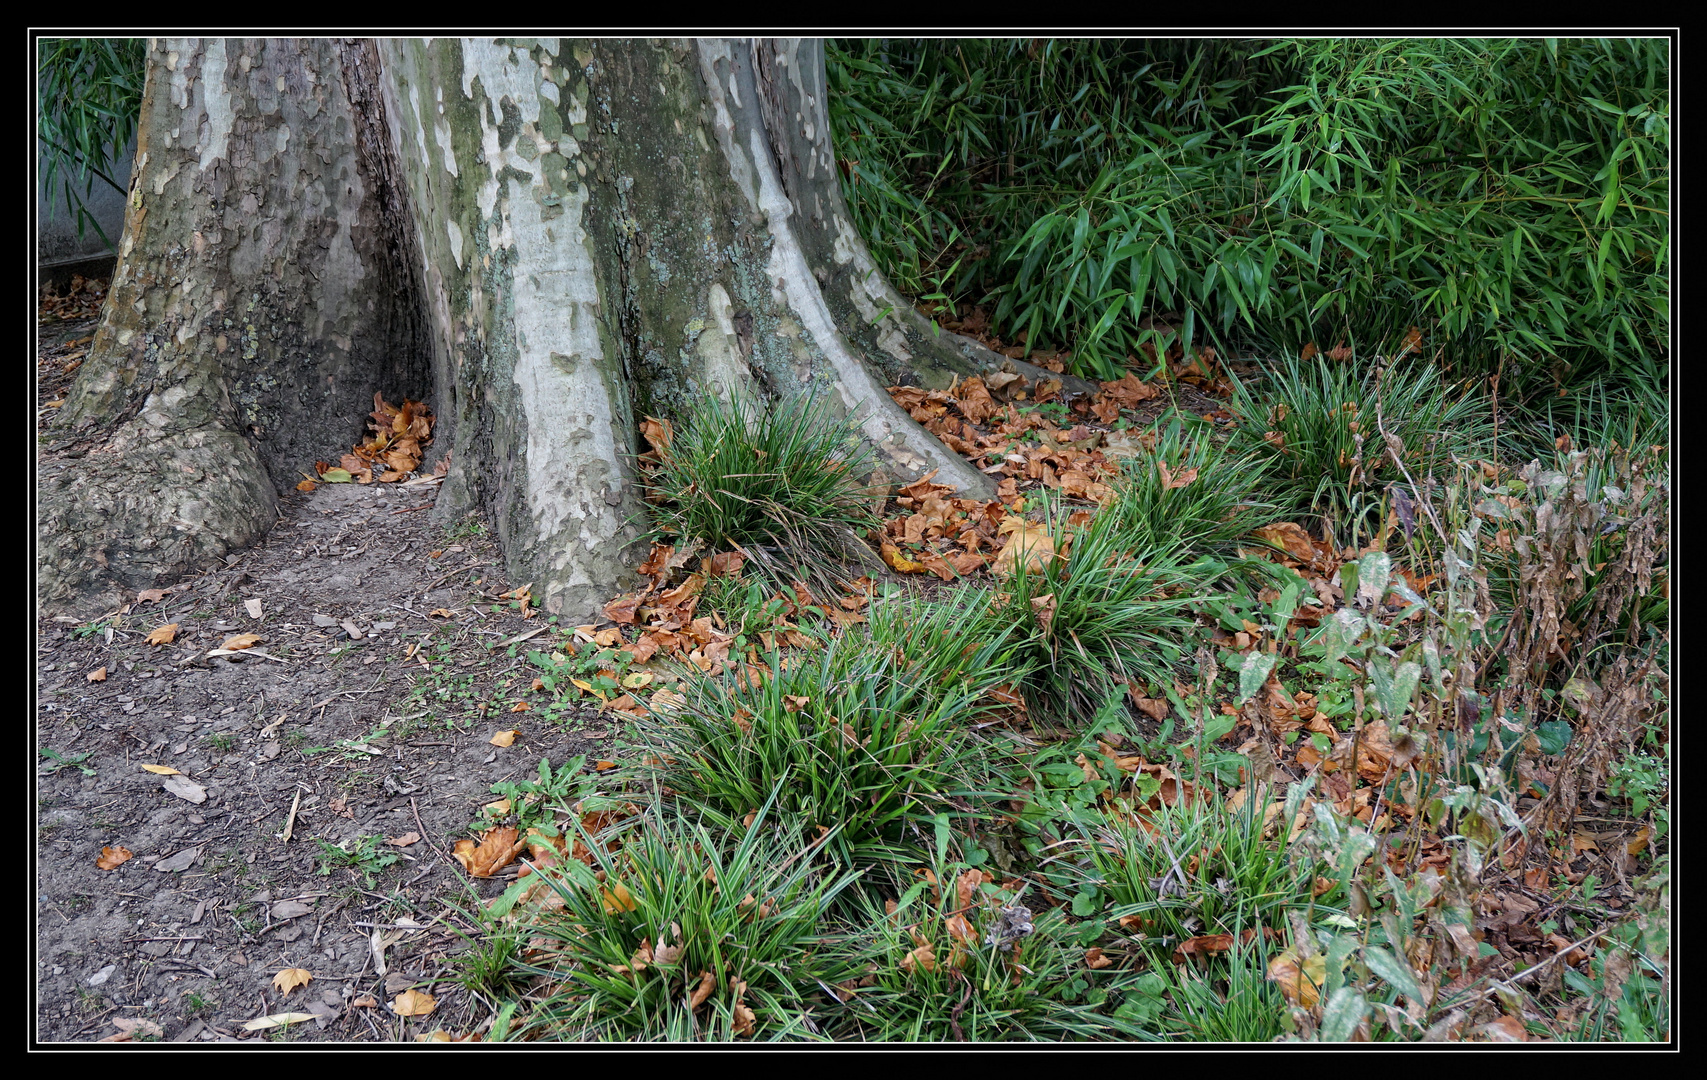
[(337, 737)]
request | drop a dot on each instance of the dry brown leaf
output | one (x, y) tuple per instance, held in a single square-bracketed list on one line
[(505, 738), (922, 958), (405, 840), (112, 857), (1289, 537), (151, 595), (241, 641), (498, 847), (1026, 541), (413, 1003), (1095, 959), (291, 978), (163, 635), (617, 898), (98, 675), (1300, 983), (707, 983), (1202, 947)]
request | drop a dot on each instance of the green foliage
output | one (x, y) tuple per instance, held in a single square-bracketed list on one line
[(1191, 870), (65, 761), (745, 912), (977, 992), (1510, 198), (536, 803), (865, 736), (366, 855), (783, 484), (1109, 611), (91, 99), (1316, 427), (1204, 516)]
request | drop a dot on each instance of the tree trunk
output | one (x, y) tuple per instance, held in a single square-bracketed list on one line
[(546, 239)]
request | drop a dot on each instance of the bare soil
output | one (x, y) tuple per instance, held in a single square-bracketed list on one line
[(329, 738)]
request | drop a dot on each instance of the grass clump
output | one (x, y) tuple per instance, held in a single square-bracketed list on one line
[(860, 742), (685, 929), (1188, 494), (1190, 870), (782, 484), (1316, 428), (961, 958), (1105, 612)]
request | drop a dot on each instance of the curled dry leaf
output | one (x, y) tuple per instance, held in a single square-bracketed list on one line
[(291, 978), (922, 958), (98, 675), (1095, 959), (1029, 546), (241, 641), (112, 857), (1202, 947), (163, 635), (707, 983), (498, 848)]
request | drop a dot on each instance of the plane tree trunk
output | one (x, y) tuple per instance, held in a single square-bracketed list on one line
[(546, 239)]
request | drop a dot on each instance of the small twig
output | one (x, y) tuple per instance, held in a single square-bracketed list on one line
[(425, 835), (179, 939), (412, 509), (458, 570)]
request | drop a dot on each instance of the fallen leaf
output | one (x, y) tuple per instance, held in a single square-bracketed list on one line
[(1095, 959), (151, 595), (1027, 542), (163, 635), (1505, 1029), (241, 641), (162, 770), (184, 788), (1202, 946), (1043, 609), (922, 958), (291, 978), (505, 738), (1290, 538), (707, 983), (112, 857), (130, 1027), (413, 1003), (617, 898), (405, 840), (1300, 983), (98, 675), (498, 847), (262, 1023)]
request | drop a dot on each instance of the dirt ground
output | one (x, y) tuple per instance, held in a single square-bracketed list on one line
[(368, 717)]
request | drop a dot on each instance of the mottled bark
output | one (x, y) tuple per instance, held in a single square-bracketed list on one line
[(549, 239), (257, 305)]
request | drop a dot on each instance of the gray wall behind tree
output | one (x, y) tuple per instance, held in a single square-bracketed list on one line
[(57, 242)]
